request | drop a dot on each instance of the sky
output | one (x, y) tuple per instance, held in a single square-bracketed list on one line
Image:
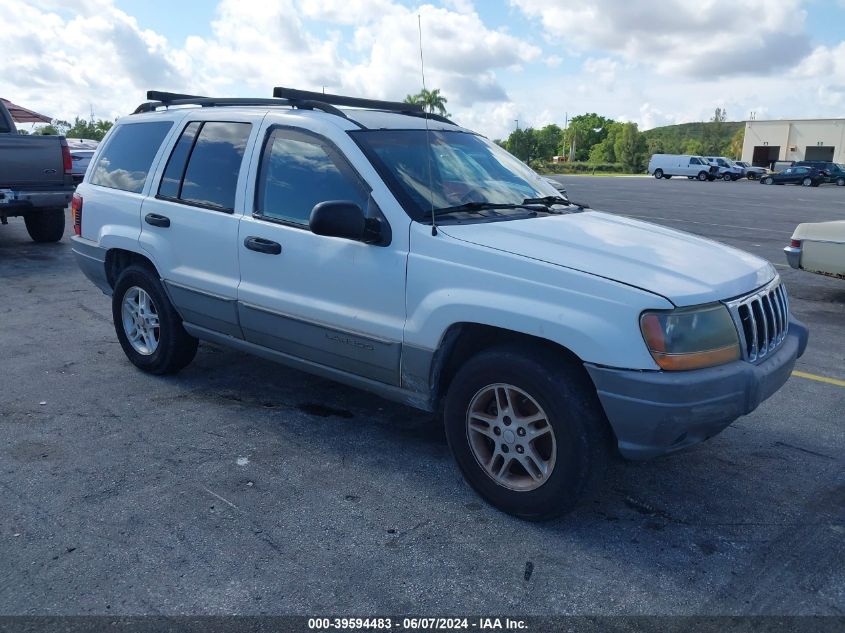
[(500, 63)]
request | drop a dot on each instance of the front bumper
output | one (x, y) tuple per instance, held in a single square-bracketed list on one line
[(659, 412), (91, 259)]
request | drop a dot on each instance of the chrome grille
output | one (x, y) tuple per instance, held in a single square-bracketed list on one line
[(762, 320)]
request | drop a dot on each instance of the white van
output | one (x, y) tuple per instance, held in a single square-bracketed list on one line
[(668, 165)]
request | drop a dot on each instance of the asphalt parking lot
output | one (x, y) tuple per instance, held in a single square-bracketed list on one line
[(239, 486)]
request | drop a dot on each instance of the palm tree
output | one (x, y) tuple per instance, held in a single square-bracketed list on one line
[(430, 100)]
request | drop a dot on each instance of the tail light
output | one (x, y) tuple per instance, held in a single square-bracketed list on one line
[(76, 213), (795, 243), (66, 157)]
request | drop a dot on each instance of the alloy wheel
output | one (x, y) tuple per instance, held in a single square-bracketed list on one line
[(140, 321), (511, 437)]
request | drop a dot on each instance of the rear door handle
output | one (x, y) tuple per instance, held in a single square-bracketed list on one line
[(155, 219), (260, 245)]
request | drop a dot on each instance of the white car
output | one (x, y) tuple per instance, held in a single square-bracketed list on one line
[(728, 170), (818, 247), (422, 262), (668, 165)]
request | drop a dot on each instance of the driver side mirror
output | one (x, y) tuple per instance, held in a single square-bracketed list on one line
[(345, 219)]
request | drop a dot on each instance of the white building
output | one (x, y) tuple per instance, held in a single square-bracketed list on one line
[(801, 139)]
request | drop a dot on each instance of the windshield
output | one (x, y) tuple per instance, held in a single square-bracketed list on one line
[(452, 168)]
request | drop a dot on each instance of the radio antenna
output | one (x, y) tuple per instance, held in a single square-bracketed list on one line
[(427, 132)]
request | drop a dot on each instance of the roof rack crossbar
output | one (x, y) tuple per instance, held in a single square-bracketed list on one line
[(340, 100), (165, 99)]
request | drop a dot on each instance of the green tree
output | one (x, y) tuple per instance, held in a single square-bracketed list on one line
[(585, 131), (430, 100), (735, 147), (522, 143), (548, 140), (712, 140), (694, 147), (630, 147), (80, 128), (605, 151)]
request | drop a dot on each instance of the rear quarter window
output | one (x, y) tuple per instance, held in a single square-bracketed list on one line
[(126, 160)]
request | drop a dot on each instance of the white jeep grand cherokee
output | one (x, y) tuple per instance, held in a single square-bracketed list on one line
[(411, 257)]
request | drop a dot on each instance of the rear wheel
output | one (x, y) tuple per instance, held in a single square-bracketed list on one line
[(768, 180), (658, 173), (840, 182), (148, 327), (47, 225), (527, 431)]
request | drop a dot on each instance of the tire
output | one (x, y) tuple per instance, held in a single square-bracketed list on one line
[(667, 177), (807, 182), (840, 182), (749, 176), (702, 176), (47, 225), (658, 173), (575, 444), (727, 177), (166, 351), (768, 180)]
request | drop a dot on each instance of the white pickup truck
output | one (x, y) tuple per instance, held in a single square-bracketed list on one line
[(403, 254)]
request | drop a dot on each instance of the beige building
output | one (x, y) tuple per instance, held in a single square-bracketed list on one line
[(800, 139)]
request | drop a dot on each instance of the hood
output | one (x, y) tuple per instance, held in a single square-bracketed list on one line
[(684, 268)]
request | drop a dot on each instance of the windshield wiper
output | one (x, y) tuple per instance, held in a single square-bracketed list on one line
[(477, 207), (550, 200)]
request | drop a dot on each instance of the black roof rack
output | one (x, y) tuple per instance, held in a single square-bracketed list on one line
[(160, 99), (291, 97), (294, 95)]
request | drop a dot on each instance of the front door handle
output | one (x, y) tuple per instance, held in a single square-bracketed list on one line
[(260, 245), (155, 219)]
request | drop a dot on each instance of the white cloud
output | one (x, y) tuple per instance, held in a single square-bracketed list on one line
[(679, 37)]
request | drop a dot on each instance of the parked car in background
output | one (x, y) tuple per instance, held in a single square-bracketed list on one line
[(418, 260), (780, 165), (81, 151), (818, 247), (727, 169), (833, 172), (556, 184), (807, 176), (668, 165), (752, 172), (35, 180)]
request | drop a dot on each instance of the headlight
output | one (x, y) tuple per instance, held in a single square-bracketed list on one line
[(691, 338)]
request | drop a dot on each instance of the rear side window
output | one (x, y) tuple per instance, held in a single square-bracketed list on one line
[(126, 160), (299, 171), (203, 167)]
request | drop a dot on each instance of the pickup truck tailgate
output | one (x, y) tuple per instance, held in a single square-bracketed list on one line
[(30, 161)]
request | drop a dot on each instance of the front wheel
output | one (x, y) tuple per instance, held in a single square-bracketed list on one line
[(807, 182), (658, 173), (147, 325), (840, 182), (702, 176), (527, 431), (727, 177), (47, 225), (768, 181)]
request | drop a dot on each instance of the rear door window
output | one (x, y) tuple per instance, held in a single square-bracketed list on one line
[(204, 165), (126, 160)]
